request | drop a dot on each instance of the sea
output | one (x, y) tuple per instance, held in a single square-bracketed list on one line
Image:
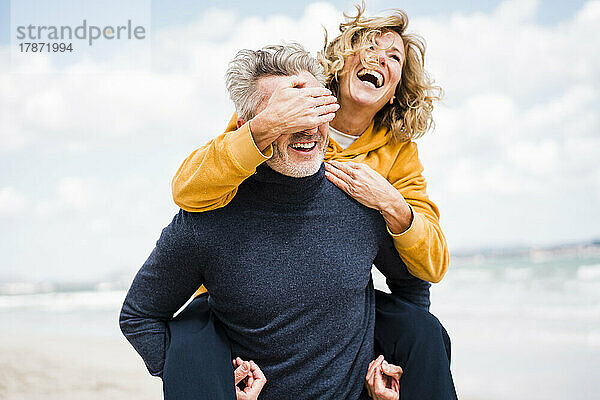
[(524, 323)]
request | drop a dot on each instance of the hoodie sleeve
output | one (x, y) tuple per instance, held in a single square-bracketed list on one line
[(209, 177), (423, 245)]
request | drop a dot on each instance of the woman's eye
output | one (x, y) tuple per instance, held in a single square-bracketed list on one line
[(395, 57)]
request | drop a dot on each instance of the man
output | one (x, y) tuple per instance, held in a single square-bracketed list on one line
[(287, 262)]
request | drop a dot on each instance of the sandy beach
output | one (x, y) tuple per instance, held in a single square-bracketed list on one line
[(42, 367), (520, 329)]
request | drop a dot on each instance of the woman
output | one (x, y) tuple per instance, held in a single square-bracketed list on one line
[(373, 128), (385, 99)]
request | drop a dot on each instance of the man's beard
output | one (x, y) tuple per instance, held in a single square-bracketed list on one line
[(281, 162)]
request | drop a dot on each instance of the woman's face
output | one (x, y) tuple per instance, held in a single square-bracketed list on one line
[(371, 88)]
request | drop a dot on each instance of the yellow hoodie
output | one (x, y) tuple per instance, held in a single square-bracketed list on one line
[(209, 178)]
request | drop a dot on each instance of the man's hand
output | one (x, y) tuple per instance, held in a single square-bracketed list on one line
[(293, 107), (383, 380), (250, 377)]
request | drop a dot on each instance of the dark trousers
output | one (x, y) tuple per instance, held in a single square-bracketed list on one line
[(198, 360), (413, 338)]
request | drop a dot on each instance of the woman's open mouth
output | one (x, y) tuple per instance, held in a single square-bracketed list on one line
[(371, 77)]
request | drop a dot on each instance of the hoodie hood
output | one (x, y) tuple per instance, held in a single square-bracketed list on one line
[(371, 139)]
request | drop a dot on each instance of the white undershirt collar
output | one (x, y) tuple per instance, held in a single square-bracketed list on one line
[(343, 139)]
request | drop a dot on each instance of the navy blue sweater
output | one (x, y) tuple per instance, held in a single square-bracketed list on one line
[(287, 264)]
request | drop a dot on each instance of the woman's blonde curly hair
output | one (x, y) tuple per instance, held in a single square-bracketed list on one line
[(409, 117)]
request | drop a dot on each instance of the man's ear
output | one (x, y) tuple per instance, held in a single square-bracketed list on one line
[(240, 122)]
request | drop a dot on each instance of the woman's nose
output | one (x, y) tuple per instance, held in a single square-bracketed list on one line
[(381, 60)]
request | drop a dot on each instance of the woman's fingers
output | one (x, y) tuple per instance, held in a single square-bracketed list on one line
[(355, 170), (349, 167), (341, 179), (324, 100), (323, 119), (327, 109), (350, 182), (337, 181), (313, 91), (363, 184), (339, 167), (344, 174), (350, 172)]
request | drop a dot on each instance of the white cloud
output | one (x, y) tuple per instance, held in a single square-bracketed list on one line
[(470, 53), (70, 195), (590, 12), (100, 225), (75, 193), (516, 11), (537, 157), (12, 202), (569, 108), (43, 209)]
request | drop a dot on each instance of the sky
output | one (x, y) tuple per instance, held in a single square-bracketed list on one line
[(89, 141)]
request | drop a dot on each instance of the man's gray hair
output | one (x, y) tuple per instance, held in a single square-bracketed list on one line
[(248, 66)]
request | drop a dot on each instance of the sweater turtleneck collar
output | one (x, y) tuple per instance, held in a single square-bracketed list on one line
[(286, 189)]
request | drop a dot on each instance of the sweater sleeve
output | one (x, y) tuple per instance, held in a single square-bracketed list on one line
[(209, 176), (165, 282), (423, 245), (398, 279)]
